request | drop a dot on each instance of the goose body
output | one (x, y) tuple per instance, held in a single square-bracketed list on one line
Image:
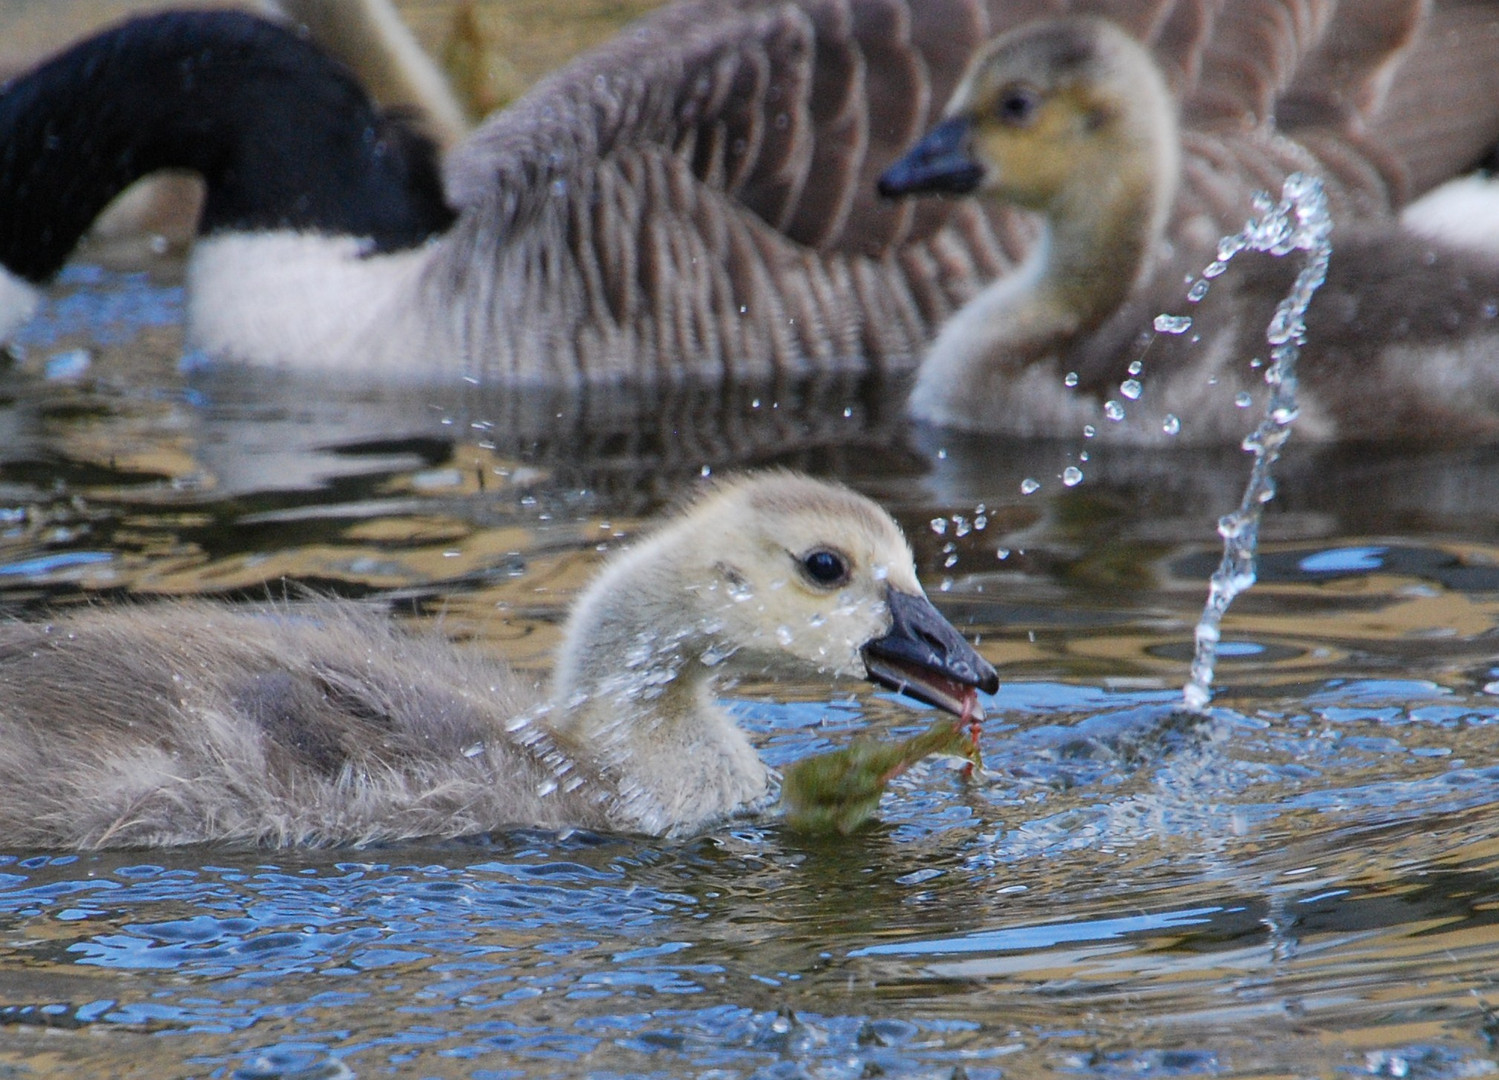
[(185, 722), (1075, 120), (696, 200), (693, 200)]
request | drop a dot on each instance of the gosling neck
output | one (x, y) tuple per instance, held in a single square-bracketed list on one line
[(283, 136), (1100, 237), (641, 700)]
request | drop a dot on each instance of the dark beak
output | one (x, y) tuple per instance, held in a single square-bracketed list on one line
[(939, 162), (924, 657)]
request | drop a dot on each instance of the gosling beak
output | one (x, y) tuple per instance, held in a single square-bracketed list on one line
[(939, 162), (924, 657)]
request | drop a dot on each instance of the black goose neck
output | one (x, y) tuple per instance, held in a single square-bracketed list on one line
[(282, 133)]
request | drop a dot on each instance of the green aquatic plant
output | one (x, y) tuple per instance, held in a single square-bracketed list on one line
[(838, 792)]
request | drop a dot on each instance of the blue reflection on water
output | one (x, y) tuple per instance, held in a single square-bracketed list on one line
[(1343, 560), (1044, 936)]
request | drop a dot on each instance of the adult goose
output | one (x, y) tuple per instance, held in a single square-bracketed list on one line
[(185, 722), (693, 200), (1076, 120)]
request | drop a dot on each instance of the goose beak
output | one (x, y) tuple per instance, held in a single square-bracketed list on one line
[(924, 657), (939, 162)]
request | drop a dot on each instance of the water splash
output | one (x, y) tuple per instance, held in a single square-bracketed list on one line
[(1298, 222)]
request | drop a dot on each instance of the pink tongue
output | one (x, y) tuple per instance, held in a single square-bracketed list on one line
[(973, 713)]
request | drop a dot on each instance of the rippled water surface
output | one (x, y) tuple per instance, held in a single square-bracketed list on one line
[(1305, 883)]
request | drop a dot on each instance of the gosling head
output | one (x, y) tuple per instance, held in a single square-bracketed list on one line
[(773, 573), (1046, 113)]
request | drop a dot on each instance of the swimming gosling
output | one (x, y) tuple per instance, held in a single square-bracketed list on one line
[(325, 723), (1075, 120)]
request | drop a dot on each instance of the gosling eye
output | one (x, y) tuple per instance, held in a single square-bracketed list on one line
[(825, 568), (1017, 105)]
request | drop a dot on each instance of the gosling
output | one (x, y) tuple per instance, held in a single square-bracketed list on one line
[(324, 723)]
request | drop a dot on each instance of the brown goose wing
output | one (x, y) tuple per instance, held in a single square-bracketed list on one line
[(696, 198)]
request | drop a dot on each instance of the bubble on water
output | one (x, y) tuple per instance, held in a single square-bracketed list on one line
[(1173, 324), (1072, 476), (1029, 486)]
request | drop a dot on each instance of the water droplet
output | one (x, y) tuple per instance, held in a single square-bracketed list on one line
[(1089, 431), (960, 525), (847, 413), (1173, 324), (939, 525), (1131, 389), (1001, 553), (949, 562), (1136, 366), (1113, 410), (1171, 425), (1072, 476), (1029, 486), (705, 471), (981, 522), (1198, 291), (784, 635), (1070, 379), (1243, 400)]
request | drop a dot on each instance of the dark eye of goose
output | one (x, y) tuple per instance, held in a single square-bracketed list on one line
[(1017, 105), (824, 567)]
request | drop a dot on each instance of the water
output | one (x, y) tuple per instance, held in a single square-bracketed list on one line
[(1305, 886), (1298, 223)]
